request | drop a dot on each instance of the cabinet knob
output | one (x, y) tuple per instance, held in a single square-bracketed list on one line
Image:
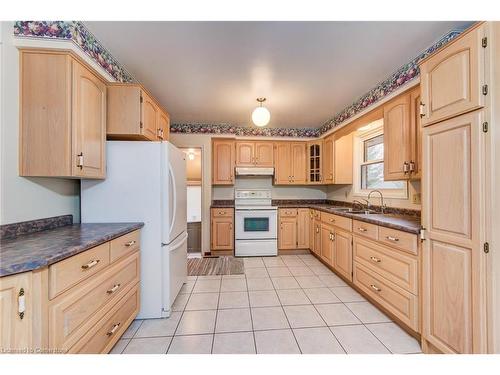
[(79, 162), (130, 243), (406, 167), (391, 238), (113, 329), (375, 259), (361, 229), (412, 166), (21, 303), (113, 289)]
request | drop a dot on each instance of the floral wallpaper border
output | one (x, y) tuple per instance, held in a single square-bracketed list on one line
[(78, 33), (243, 130), (82, 37)]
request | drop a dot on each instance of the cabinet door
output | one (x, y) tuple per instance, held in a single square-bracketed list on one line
[(303, 228), (282, 164), (15, 332), (89, 123), (222, 162), (222, 233), (397, 138), (298, 158), (287, 236), (327, 243), (415, 135), (163, 126), (452, 79), (343, 254), (149, 117), (314, 167), (245, 154), (328, 162), (342, 159), (264, 154), (453, 261)]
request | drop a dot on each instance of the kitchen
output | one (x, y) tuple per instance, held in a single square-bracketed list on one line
[(369, 232)]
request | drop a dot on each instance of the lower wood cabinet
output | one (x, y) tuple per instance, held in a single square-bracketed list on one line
[(293, 228), (342, 255), (222, 229), (73, 306), (16, 319), (327, 239)]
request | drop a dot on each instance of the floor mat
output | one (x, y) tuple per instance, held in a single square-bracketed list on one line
[(224, 265)]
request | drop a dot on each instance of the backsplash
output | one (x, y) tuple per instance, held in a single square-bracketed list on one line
[(26, 227)]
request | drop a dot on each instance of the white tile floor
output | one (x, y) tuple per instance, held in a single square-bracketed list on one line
[(288, 304)]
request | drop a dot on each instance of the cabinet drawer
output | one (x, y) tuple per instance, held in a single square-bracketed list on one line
[(72, 311), (102, 337), (288, 212), (222, 212), (338, 221), (365, 229), (392, 264), (400, 240), (68, 272), (396, 300), (124, 245)]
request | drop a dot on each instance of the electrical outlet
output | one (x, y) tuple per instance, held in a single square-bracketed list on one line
[(416, 198)]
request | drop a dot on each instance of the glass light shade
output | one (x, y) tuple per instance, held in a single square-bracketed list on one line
[(261, 116)]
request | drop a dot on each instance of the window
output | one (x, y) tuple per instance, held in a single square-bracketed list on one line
[(369, 164)]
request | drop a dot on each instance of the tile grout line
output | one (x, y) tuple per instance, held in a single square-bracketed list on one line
[(216, 315), (180, 318), (250, 309)]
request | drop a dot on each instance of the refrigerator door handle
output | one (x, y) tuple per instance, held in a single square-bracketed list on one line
[(180, 242), (174, 192)]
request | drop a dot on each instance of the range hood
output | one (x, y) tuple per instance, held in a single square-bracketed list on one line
[(254, 171)]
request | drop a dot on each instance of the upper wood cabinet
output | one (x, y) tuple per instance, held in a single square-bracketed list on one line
[(415, 134), (290, 163), (223, 161), (62, 117), (163, 126), (314, 160), (452, 79), (134, 115), (342, 159), (397, 147), (15, 326), (454, 306), (254, 154), (328, 159)]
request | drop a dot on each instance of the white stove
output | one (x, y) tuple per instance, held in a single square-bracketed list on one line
[(256, 223)]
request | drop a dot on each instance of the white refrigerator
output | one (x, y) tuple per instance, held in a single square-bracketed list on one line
[(146, 181)]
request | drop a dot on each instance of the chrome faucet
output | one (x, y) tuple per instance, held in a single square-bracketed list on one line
[(356, 202), (382, 205)]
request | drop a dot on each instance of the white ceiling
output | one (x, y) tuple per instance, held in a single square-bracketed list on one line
[(212, 72)]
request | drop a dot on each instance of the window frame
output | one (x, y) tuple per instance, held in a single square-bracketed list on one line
[(360, 137)]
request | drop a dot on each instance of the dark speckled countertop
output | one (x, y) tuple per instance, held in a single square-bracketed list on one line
[(395, 219), (32, 251)]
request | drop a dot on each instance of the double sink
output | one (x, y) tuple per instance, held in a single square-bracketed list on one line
[(359, 212)]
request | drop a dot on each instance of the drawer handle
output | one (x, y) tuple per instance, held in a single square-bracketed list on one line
[(394, 239), (113, 289), (90, 264), (375, 259), (361, 229), (375, 288), (130, 243), (113, 330)]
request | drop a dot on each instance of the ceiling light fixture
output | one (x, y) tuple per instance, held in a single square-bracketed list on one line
[(191, 156), (261, 115)]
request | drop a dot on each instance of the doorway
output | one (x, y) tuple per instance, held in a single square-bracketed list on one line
[(194, 194)]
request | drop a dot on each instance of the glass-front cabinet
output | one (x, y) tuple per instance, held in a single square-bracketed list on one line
[(314, 166)]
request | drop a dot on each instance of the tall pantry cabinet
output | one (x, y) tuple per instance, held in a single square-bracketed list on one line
[(454, 189)]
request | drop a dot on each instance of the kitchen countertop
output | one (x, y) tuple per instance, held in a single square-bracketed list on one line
[(33, 251), (405, 223)]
